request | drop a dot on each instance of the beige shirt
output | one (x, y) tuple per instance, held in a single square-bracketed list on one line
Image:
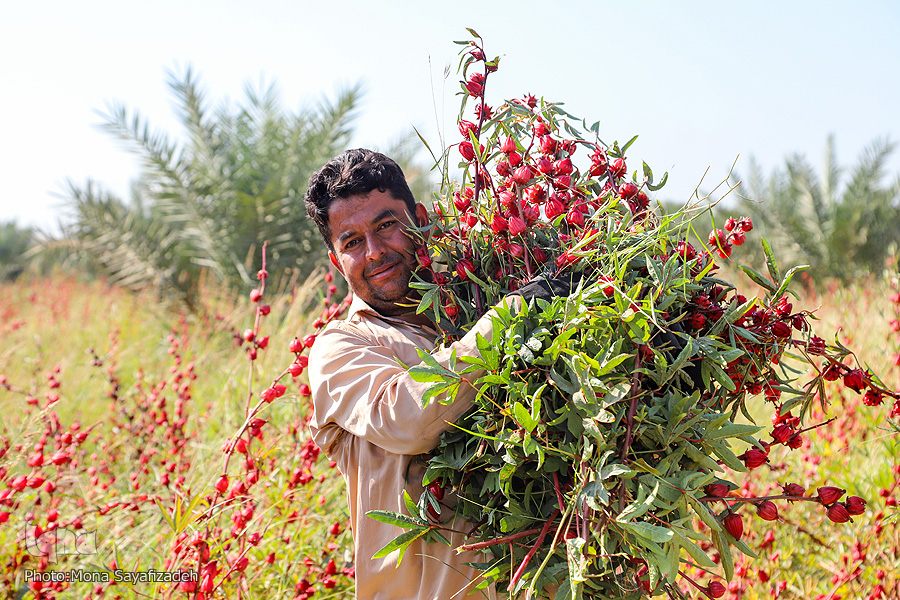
[(369, 419)]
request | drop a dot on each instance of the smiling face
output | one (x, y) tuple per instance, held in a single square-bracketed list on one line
[(373, 249)]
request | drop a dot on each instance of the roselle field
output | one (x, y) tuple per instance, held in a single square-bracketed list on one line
[(116, 411)]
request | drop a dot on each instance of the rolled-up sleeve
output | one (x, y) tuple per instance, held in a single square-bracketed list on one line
[(360, 388)]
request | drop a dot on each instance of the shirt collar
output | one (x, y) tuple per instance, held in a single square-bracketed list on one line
[(358, 305)]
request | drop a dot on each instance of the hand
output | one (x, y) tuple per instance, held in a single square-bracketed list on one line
[(547, 289)]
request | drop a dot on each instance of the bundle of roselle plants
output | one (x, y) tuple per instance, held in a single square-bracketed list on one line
[(604, 418)]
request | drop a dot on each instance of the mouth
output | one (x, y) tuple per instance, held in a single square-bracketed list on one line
[(384, 272)]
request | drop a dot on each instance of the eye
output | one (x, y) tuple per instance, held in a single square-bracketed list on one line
[(351, 244), (386, 224)]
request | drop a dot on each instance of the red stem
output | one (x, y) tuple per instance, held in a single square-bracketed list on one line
[(521, 570)]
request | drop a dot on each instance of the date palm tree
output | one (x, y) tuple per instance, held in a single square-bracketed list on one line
[(839, 229), (206, 206)]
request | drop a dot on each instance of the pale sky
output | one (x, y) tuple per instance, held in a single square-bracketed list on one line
[(700, 82)]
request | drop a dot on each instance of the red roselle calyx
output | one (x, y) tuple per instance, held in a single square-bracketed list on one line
[(715, 589), (734, 525), (767, 510), (754, 458), (793, 489), (719, 490), (855, 505), (830, 494), (838, 513)]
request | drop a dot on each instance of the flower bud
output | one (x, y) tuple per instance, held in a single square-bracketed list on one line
[(465, 127), (517, 226), (780, 329), (508, 145), (855, 380), (754, 457), (563, 167), (522, 175), (719, 490), (767, 511), (830, 494), (575, 218), (467, 150), (838, 513), (855, 505), (734, 525), (222, 484), (793, 489), (715, 589)]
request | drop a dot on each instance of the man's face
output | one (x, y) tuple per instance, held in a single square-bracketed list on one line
[(372, 248)]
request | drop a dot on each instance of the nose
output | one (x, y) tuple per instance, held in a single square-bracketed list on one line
[(375, 247)]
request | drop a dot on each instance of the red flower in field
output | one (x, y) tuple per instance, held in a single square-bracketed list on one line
[(715, 589), (523, 174), (508, 145), (873, 397), (464, 268), (575, 218), (781, 329), (498, 223), (467, 150), (547, 144), (767, 510), (628, 191), (855, 505), (517, 226), (793, 489), (685, 250), (465, 127), (563, 167), (781, 433), (838, 513), (475, 84), (734, 525), (754, 457), (222, 484), (830, 494), (832, 372), (816, 345), (856, 380), (719, 490), (554, 207)]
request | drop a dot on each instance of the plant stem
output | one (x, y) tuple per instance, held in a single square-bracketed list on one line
[(521, 570)]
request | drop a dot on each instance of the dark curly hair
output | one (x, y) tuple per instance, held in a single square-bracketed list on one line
[(352, 173)]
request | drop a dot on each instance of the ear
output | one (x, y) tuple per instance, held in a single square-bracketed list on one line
[(421, 214), (335, 262)]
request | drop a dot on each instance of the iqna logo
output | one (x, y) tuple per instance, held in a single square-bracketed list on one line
[(58, 542)]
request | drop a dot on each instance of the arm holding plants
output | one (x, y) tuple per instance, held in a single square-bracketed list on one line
[(360, 388)]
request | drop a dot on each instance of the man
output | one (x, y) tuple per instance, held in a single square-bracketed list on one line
[(368, 416)]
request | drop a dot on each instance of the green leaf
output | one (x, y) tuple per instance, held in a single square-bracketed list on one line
[(660, 535), (696, 552), (397, 519), (523, 417), (787, 281), (628, 145), (704, 513), (725, 554), (401, 542), (757, 278), (771, 263), (654, 187), (732, 430)]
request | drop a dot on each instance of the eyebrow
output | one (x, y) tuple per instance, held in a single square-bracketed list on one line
[(386, 213)]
